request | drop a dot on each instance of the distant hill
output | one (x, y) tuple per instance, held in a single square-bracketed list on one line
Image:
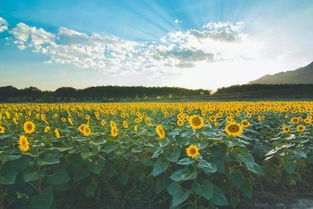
[(303, 75), (265, 92)]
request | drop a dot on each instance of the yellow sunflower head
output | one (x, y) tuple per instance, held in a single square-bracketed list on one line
[(295, 120), (212, 118), (300, 128), (103, 123), (70, 121), (82, 127), (114, 131), (125, 124), (160, 131), (57, 133), (245, 123), (233, 129), (47, 129), (192, 151), (2, 130), (196, 122), (180, 122), (286, 129), (23, 143), (87, 131), (29, 127)]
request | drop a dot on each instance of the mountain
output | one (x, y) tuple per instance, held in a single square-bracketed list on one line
[(303, 75)]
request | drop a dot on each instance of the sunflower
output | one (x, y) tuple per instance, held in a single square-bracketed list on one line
[(233, 129), (112, 124), (229, 119), (245, 123), (114, 131), (136, 128), (87, 131), (196, 122), (47, 129), (70, 121), (300, 128), (29, 127), (23, 143), (212, 118), (81, 128), (57, 133), (286, 129), (261, 117), (63, 119), (2, 130), (125, 124), (192, 151), (180, 122), (160, 131), (103, 122), (295, 120)]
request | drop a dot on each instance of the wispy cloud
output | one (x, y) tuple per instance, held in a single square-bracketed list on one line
[(3, 25), (177, 51)]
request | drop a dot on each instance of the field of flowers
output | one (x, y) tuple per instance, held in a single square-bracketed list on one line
[(171, 155)]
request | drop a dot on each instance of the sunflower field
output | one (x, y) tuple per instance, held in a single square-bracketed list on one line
[(152, 155)]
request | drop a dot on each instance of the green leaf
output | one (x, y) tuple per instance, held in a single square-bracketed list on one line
[(185, 161), (9, 157), (300, 154), (9, 177), (180, 198), (109, 149), (91, 189), (86, 154), (59, 176), (158, 151), (123, 178), (98, 142), (5, 136), (11, 169), (161, 184), (205, 189), (111, 171), (242, 183), (32, 175), (184, 174), (44, 200), (136, 150), (49, 158), (173, 156), (96, 165), (61, 149), (248, 160), (289, 165), (159, 167), (179, 195), (219, 198), (207, 167)]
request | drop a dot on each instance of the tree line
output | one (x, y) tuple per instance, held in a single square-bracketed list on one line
[(95, 94), (124, 93)]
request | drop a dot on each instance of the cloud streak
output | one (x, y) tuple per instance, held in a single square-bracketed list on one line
[(173, 53), (3, 25)]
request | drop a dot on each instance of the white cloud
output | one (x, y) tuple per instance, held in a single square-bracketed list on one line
[(177, 21), (26, 36), (176, 52), (3, 25)]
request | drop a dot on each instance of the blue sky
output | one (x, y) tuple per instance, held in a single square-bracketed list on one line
[(187, 43)]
